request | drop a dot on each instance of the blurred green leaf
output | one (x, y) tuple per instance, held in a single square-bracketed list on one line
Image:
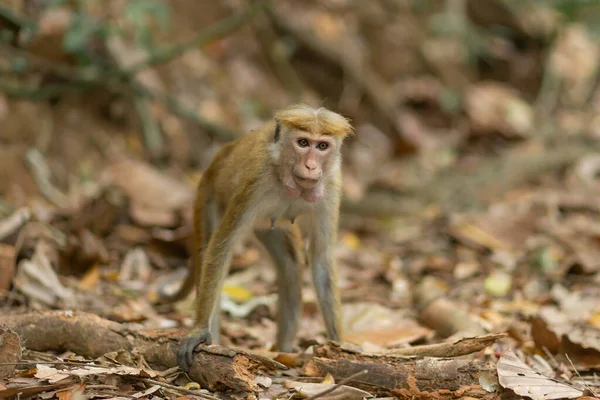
[(450, 101), (79, 33), (18, 64), (141, 13), (498, 283)]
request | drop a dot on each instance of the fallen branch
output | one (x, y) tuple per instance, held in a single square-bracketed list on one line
[(456, 348), (215, 368), (440, 378)]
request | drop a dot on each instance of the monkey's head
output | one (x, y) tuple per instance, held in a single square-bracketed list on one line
[(306, 149)]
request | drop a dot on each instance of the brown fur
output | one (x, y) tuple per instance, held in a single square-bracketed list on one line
[(320, 121)]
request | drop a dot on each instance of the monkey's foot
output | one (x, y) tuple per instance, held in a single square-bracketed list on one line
[(185, 353)]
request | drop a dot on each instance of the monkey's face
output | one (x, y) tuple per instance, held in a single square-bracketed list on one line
[(309, 158)]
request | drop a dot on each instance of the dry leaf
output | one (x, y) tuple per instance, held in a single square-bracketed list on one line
[(13, 222), (10, 352), (493, 107), (376, 324), (342, 393), (514, 374), (150, 191), (37, 279), (7, 265)]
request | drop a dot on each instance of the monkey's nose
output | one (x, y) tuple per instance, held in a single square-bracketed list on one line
[(310, 165)]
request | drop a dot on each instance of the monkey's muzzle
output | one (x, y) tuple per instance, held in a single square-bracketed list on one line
[(306, 183)]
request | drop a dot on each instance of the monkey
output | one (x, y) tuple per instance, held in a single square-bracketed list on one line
[(261, 183)]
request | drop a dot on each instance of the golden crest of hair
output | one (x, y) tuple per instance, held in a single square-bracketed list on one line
[(319, 121)]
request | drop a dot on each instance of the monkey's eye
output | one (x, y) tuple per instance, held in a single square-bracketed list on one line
[(322, 145), (302, 142)]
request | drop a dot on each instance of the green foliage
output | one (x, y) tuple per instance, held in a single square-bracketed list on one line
[(18, 64), (450, 101), (80, 32), (142, 14), (141, 17)]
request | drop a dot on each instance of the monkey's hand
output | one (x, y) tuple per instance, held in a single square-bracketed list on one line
[(185, 353)]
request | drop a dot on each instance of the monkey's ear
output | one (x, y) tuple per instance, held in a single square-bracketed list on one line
[(277, 132)]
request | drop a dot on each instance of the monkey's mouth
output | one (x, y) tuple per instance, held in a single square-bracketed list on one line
[(306, 183)]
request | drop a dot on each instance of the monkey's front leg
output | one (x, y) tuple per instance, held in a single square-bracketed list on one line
[(212, 274), (324, 271)]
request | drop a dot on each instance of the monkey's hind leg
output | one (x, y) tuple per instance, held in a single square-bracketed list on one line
[(285, 247), (206, 221)]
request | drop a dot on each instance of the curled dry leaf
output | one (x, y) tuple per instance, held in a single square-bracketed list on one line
[(13, 222), (155, 197), (503, 231), (557, 332), (135, 267), (342, 393), (379, 325), (493, 107), (514, 374), (37, 279)]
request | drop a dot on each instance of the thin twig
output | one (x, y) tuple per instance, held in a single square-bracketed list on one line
[(580, 377), (178, 389), (153, 137), (337, 385), (176, 107)]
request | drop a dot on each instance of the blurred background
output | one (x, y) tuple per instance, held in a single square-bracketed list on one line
[(475, 162)]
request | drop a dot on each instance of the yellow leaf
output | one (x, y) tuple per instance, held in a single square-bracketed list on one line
[(351, 241), (237, 293), (328, 379), (90, 279), (595, 320), (481, 237)]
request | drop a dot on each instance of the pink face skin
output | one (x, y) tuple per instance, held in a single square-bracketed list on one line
[(310, 156)]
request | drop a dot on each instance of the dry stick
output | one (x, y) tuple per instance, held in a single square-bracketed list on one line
[(337, 385), (178, 389)]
